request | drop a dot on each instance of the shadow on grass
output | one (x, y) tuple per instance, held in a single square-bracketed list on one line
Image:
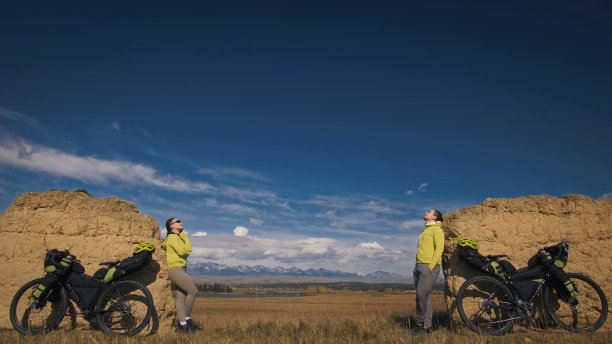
[(440, 319)]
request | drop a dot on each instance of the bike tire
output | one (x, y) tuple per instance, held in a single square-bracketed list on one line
[(28, 317), (124, 308), (588, 316), (486, 305)]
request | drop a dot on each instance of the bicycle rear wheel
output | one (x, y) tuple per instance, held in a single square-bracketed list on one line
[(485, 305), (586, 313), (124, 308), (31, 317)]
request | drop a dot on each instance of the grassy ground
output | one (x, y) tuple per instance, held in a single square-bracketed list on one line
[(335, 318)]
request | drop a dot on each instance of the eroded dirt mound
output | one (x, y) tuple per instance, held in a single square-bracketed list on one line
[(92, 229), (518, 227)]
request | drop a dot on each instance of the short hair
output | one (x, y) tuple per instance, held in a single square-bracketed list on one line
[(438, 215)]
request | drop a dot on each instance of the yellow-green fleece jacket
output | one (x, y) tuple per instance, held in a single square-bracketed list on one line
[(178, 248), (431, 245)]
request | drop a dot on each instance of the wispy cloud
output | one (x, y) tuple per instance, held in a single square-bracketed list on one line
[(18, 117), (231, 208), (605, 196), (256, 222), (356, 203), (339, 224), (200, 234), (409, 192), (423, 187), (224, 172), (20, 153), (23, 154), (412, 224)]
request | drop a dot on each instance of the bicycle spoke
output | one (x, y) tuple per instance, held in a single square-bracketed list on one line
[(484, 305), (125, 308), (584, 313)]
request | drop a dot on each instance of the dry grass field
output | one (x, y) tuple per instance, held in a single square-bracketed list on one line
[(334, 318)]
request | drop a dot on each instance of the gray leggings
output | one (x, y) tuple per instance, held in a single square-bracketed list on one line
[(424, 280), (186, 292)]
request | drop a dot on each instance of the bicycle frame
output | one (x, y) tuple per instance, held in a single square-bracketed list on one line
[(517, 302), (87, 313)]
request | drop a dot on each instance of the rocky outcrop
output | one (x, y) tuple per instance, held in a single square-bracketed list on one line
[(518, 227), (92, 229)]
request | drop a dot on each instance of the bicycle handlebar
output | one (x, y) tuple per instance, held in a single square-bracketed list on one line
[(497, 256), (110, 263)]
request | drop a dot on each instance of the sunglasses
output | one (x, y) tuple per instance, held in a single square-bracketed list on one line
[(173, 222)]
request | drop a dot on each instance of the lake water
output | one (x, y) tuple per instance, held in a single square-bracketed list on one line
[(248, 296)]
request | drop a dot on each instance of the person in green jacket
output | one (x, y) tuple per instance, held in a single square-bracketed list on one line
[(178, 248), (427, 269)]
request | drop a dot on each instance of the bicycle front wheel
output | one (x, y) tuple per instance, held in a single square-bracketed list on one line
[(585, 313), (485, 305), (124, 308), (32, 317)]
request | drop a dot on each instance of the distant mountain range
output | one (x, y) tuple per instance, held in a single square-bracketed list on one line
[(209, 268)]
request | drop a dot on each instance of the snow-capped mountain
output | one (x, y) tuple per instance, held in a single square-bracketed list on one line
[(210, 268)]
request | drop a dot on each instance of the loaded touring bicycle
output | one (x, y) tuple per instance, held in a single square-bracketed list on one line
[(492, 303), (116, 305)]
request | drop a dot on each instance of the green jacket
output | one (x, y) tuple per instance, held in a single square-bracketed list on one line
[(431, 245), (178, 248)]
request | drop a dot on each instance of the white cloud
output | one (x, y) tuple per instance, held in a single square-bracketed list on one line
[(116, 125), (408, 192), (241, 231), (199, 234), (371, 245), (423, 187), (302, 252), (23, 154), (256, 222), (606, 196)]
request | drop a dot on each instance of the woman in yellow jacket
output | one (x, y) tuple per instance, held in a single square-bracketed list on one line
[(427, 268), (178, 248)]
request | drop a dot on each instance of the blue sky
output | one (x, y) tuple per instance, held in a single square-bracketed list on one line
[(306, 134)]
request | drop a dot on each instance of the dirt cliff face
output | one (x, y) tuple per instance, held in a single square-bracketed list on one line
[(518, 227), (94, 230)]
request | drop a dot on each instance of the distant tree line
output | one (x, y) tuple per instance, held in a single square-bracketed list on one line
[(341, 286), (214, 287)]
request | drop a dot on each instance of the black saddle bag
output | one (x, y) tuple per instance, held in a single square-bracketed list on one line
[(125, 267), (500, 267)]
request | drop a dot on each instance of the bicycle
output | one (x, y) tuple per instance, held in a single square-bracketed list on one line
[(119, 307), (491, 305)]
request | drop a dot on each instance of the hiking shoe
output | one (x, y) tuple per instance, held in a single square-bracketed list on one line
[(184, 329), (417, 331), (192, 325)]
